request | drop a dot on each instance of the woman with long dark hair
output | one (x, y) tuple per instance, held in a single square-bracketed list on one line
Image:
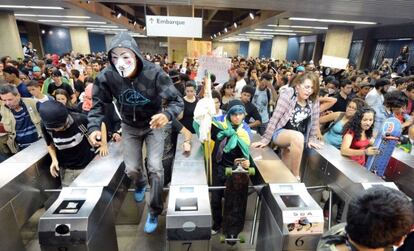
[(358, 133)]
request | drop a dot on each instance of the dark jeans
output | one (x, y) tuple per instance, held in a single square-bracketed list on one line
[(219, 179), (132, 140)]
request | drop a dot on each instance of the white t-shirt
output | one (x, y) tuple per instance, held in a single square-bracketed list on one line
[(239, 86), (42, 100)]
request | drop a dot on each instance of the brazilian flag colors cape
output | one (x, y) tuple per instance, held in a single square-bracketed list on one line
[(236, 137)]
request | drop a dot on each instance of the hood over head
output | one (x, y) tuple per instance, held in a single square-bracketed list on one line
[(124, 40)]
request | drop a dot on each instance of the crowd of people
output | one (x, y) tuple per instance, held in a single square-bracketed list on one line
[(292, 105)]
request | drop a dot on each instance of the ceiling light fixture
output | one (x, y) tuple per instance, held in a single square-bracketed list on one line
[(144, 28), (219, 33), (135, 23), (214, 35), (225, 30), (235, 25), (69, 21), (330, 20), (30, 7), (299, 26), (119, 15), (43, 31), (273, 30), (58, 16), (251, 15)]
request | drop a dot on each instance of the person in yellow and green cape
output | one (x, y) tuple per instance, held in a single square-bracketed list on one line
[(232, 138)]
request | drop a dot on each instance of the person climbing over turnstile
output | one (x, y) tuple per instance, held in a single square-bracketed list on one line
[(377, 220), (139, 88), (232, 139)]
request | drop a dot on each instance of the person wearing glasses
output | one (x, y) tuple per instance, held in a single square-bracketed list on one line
[(295, 121)]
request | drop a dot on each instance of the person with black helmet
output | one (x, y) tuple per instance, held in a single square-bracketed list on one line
[(67, 144), (139, 88)]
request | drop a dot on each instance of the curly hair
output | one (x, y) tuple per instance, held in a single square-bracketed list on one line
[(354, 125)]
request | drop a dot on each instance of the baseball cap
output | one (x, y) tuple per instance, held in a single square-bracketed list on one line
[(36, 69), (300, 68), (53, 113)]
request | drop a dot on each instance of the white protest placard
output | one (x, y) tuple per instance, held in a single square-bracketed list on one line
[(171, 26), (334, 62), (216, 65)]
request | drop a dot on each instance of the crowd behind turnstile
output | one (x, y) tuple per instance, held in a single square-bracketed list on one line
[(83, 216)]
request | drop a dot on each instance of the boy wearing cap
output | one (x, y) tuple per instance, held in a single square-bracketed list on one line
[(68, 146), (232, 140)]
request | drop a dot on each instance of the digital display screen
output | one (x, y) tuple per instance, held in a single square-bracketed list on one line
[(78, 191), (286, 187), (292, 201), (186, 189)]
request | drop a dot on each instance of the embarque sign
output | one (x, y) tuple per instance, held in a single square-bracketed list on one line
[(171, 26)]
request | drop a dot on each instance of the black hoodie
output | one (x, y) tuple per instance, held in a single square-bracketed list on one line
[(137, 99)]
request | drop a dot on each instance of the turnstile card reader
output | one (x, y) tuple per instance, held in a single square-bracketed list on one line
[(189, 213), (290, 219), (80, 219)]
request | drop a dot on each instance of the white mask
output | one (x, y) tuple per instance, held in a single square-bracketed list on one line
[(124, 61)]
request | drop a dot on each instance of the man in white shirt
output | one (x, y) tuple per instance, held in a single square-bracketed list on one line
[(375, 99)]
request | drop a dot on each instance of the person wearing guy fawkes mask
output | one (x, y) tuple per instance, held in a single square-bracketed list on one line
[(138, 86)]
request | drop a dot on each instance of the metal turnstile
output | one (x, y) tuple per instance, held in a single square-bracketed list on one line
[(83, 216), (290, 219), (188, 220), (23, 179), (345, 177), (401, 171)]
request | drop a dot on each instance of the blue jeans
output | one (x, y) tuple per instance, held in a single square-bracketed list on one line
[(132, 140)]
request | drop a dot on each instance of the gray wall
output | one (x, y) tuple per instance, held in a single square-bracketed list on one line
[(151, 45)]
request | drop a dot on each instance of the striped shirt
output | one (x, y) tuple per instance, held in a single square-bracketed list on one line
[(26, 132), (283, 113)]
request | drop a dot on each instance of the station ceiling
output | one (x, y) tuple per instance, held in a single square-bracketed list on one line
[(271, 17)]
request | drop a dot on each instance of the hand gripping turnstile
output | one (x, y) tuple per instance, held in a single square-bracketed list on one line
[(83, 216), (290, 219), (189, 214)]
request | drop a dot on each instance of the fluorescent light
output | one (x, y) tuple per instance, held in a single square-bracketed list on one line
[(271, 33), (225, 30), (30, 7), (235, 25), (330, 20), (251, 15), (299, 26), (211, 37), (109, 29), (119, 15), (43, 31), (70, 21), (215, 35), (58, 16), (273, 30), (90, 25), (135, 23), (219, 33)]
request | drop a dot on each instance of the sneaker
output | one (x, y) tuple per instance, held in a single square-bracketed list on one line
[(151, 224), (214, 232), (139, 194)]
